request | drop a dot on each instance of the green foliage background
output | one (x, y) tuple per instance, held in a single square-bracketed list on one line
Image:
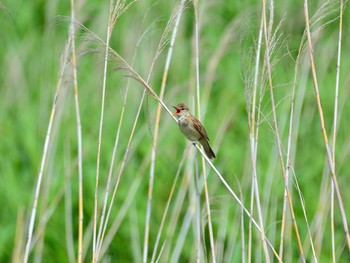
[(34, 34)]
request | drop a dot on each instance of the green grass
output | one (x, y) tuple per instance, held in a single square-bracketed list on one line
[(32, 46)]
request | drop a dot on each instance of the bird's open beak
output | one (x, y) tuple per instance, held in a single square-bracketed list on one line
[(176, 112)]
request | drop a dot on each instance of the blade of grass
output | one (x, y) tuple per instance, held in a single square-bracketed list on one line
[(79, 134)]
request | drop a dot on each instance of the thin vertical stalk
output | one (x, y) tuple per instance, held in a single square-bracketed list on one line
[(79, 135), (335, 118), (242, 232), (286, 181), (99, 142), (207, 200), (198, 210), (253, 145), (68, 219)]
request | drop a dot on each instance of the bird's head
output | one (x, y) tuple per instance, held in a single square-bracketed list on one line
[(180, 109)]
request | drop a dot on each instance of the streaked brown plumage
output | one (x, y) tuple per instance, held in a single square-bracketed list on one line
[(192, 128)]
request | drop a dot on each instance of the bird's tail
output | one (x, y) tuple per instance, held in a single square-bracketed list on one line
[(208, 150)]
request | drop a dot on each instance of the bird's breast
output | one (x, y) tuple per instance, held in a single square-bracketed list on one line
[(188, 130)]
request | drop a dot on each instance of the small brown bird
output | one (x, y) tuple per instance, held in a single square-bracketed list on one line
[(192, 128)]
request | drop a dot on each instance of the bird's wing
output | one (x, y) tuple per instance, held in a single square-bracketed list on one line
[(200, 128)]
